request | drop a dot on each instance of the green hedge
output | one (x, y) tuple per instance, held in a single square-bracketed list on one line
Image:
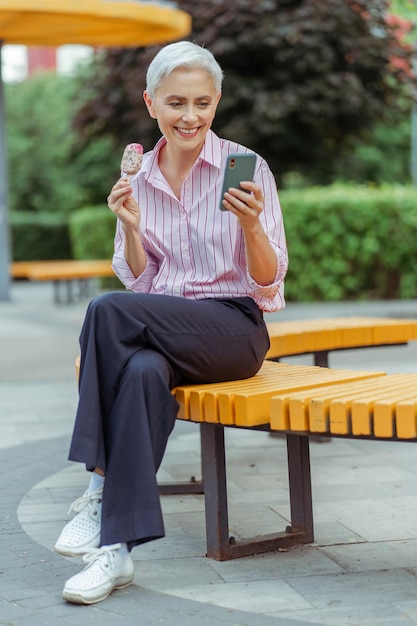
[(92, 236), (350, 243), (92, 232), (39, 236), (344, 242)]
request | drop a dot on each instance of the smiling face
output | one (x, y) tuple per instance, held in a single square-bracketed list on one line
[(184, 104)]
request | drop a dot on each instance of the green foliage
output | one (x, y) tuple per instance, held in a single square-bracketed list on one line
[(48, 171), (96, 166), (38, 113), (349, 242), (39, 236), (381, 156), (92, 232)]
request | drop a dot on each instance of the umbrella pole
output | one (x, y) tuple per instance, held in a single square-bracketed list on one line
[(4, 224)]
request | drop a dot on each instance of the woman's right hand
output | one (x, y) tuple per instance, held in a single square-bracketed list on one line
[(124, 206)]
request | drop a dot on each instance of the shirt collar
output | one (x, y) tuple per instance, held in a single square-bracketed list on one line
[(211, 151), (150, 166)]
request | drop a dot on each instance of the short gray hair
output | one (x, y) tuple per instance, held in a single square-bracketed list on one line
[(182, 55)]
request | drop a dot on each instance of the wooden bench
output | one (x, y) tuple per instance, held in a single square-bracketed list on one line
[(322, 336), (63, 272), (382, 408), (306, 401)]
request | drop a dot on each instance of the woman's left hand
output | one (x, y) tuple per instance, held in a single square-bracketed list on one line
[(246, 206)]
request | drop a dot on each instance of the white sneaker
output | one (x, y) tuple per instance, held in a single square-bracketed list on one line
[(106, 570), (82, 533)]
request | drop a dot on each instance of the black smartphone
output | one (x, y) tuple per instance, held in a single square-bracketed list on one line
[(238, 167)]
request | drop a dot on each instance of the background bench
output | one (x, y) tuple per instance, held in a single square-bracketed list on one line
[(322, 336), (63, 273)]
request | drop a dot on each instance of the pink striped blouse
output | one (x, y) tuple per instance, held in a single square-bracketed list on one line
[(193, 249)]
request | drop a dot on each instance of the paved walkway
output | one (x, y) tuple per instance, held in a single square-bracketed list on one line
[(362, 569)]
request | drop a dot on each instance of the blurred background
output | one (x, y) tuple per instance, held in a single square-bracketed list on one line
[(325, 90)]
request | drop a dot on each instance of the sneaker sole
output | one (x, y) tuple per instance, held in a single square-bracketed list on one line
[(77, 598), (65, 552)]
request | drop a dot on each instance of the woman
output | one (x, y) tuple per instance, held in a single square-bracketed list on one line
[(199, 279)]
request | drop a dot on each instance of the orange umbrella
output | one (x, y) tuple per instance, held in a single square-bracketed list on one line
[(90, 22)]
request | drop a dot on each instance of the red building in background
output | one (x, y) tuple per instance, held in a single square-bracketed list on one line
[(41, 59)]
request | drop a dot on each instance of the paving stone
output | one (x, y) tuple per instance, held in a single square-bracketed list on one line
[(362, 615), (386, 555), (367, 588), (254, 596)]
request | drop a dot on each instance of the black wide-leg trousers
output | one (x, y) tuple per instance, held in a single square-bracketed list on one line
[(134, 349)]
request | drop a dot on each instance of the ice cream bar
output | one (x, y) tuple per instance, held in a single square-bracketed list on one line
[(131, 159)]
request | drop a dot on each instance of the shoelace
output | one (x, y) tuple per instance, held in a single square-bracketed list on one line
[(80, 503), (95, 554)]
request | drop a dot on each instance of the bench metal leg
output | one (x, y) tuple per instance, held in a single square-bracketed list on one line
[(222, 547), (215, 490), (321, 358), (57, 291), (299, 475)]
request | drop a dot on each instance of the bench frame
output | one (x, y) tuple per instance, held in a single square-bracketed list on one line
[(220, 545), (214, 487)]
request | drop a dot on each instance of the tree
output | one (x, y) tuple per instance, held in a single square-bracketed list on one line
[(302, 78), (38, 121), (46, 171)]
